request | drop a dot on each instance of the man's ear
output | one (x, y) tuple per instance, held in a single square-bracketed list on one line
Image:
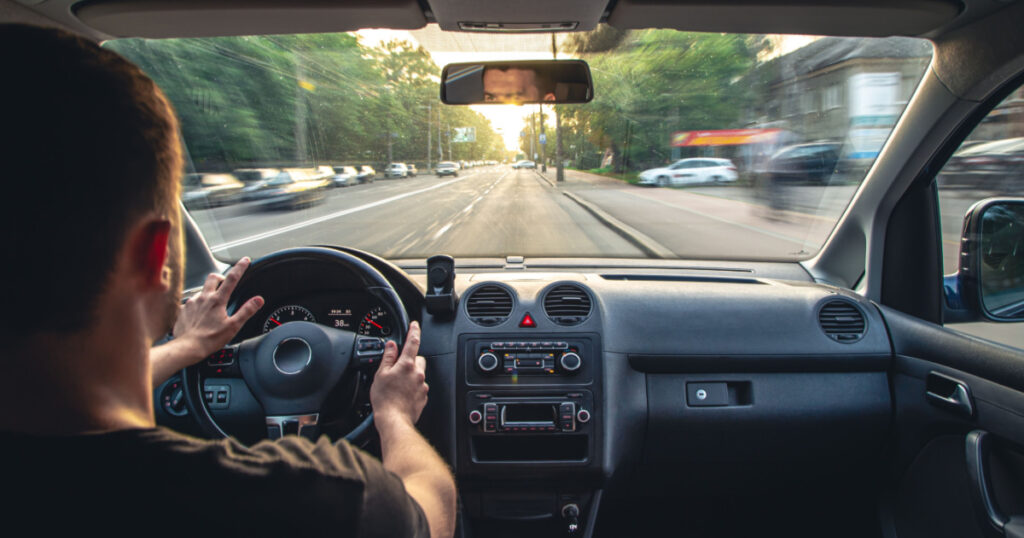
[(149, 253)]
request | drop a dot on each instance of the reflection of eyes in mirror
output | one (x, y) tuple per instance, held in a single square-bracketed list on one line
[(516, 85)]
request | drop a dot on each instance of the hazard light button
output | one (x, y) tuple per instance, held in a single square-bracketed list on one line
[(527, 321)]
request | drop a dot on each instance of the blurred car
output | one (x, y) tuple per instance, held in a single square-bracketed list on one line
[(412, 169), (804, 163), (691, 171), (294, 188), (366, 174), (524, 164), (396, 170), (447, 168), (210, 190), (345, 176), (255, 180)]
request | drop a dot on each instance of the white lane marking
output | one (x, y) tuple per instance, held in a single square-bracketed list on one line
[(467, 209), (330, 216), (442, 230)]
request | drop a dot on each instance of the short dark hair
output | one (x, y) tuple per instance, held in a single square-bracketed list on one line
[(91, 147)]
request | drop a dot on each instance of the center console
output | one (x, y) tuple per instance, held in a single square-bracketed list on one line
[(529, 436)]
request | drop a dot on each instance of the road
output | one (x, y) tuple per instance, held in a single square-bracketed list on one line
[(497, 212), (485, 212)]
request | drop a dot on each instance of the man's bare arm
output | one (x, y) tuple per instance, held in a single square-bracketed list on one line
[(398, 395)]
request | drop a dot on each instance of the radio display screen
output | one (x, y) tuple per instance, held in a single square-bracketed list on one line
[(529, 413)]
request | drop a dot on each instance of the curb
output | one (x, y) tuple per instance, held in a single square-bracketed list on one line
[(540, 175), (638, 239)]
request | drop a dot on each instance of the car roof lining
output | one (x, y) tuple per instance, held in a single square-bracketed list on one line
[(103, 19)]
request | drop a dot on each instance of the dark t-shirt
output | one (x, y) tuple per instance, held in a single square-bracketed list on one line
[(149, 482)]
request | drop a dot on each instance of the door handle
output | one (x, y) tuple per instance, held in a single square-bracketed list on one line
[(993, 522), (948, 393)]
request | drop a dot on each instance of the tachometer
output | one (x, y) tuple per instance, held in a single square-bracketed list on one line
[(376, 322), (286, 314)]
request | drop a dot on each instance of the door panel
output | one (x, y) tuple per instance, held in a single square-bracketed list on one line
[(932, 493)]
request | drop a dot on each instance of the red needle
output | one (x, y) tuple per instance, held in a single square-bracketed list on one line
[(275, 321), (375, 324)]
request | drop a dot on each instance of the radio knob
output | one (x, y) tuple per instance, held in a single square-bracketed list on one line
[(487, 362), (583, 416), (570, 362), (475, 417)]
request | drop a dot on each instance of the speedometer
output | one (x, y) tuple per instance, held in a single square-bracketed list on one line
[(376, 322), (286, 314)]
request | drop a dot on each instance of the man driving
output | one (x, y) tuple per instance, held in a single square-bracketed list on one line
[(515, 85), (93, 272)]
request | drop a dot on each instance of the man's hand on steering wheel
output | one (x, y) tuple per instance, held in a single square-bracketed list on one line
[(203, 325), (399, 390), (203, 322)]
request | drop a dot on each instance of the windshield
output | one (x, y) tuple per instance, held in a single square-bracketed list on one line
[(695, 146)]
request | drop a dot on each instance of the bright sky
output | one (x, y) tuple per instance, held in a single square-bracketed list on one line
[(455, 47), (447, 47)]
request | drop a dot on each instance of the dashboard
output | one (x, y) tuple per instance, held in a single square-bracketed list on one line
[(550, 389)]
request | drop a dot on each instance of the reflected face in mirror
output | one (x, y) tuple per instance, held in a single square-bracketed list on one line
[(514, 85)]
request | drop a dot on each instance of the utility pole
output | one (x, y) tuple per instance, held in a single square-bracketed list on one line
[(300, 112), (560, 170), (440, 141), (449, 141), (533, 138), (543, 140), (429, 114)]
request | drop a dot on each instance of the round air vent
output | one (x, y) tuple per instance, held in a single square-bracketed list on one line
[(841, 321), (567, 304), (489, 305)]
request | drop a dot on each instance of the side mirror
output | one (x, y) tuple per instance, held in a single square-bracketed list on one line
[(522, 82), (989, 283)]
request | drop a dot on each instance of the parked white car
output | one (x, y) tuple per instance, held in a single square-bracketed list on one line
[(691, 171), (396, 170)]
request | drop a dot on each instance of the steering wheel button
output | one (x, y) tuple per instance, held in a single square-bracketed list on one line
[(273, 432)]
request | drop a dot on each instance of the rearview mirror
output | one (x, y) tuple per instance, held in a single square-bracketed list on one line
[(535, 81), (990, 279)]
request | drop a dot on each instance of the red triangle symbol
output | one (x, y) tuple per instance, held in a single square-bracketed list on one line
[(527, 321)]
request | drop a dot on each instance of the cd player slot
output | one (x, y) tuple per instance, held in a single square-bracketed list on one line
[(529, 415)]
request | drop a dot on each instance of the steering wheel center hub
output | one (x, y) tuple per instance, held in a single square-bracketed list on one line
[(292, 356)]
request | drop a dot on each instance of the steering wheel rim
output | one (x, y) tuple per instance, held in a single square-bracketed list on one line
[(372, 281)]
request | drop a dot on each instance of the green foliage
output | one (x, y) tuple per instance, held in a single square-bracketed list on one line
[(303, 100), (651, 83)]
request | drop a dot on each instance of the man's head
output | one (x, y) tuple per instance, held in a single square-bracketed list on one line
[(92, 165), (515, 85)]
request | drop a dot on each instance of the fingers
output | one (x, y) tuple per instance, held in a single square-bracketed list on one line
[(231, 279), (421, 363), (246, 311), (390, 355), (412, 342), (212, 281)]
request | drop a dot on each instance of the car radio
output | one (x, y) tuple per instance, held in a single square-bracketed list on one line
[(562, 413), (542, 358)]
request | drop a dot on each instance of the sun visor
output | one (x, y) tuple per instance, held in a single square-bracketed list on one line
[(520, 16), (203, 18), (869, 18)]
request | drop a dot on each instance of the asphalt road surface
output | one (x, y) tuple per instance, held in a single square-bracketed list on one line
[(497, 212)]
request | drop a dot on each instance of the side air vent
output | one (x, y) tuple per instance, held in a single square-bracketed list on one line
[(489, 305), (841, 321), (567, 304)]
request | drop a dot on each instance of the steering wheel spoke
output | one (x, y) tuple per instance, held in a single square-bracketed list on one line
[(307, 426), (222, 363)]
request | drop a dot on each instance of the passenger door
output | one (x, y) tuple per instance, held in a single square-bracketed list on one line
[(958, 390)]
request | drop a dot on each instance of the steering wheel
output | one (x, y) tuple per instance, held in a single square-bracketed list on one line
[(292, 370)]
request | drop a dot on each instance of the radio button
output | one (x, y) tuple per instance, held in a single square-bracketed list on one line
[(583, 416), (487, 362), (570, 362), (567, 416), (475, 417)]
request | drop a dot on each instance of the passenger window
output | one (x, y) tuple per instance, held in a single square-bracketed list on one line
[(989, 163)]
